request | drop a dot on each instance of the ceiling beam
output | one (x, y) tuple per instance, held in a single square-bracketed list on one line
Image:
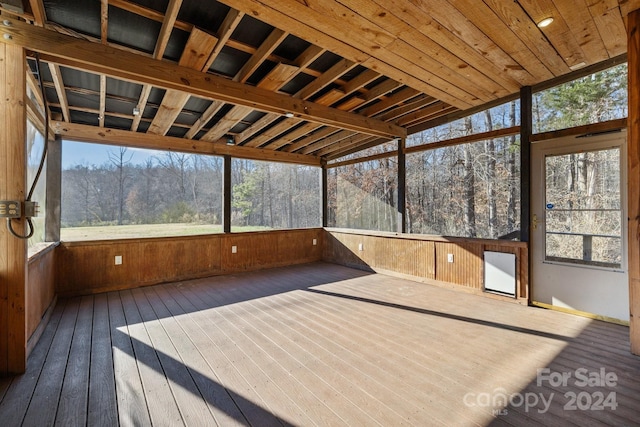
[(280, 74), (103, 99), (104, 21), (126, 138), (114, 62), (167, 27), (39, 13), (56, 75), (158, 53), (195, 55), (225, 31), (239, 112), (368, 46), (303, 61)]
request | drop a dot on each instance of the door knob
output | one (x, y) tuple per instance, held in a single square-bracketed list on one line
[(534, 221)]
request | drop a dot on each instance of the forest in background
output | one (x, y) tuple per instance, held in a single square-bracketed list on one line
[(187, 188), (469, 190)]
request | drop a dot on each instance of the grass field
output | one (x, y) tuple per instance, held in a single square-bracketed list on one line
[(144, 230)]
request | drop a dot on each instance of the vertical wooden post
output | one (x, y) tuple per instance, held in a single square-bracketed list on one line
[(13, 186), (54, 191), (526, 125), (633, 170), (226, 195), (325, 196), (402, 186)]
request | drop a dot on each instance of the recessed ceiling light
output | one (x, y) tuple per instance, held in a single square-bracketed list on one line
[(545, 22)]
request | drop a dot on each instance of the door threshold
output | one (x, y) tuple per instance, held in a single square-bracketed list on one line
[(580, 313)]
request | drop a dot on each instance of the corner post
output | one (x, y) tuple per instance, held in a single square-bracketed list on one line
[(402, 187), (13, 186), (633, 171), (54, 190), (324, 195), (526, 126), (226, 195)]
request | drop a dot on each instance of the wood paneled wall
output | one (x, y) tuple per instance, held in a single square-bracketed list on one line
[(41, 289), (424, 258), (89, 267)]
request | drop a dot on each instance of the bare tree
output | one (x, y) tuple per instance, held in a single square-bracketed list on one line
[(120, 159)]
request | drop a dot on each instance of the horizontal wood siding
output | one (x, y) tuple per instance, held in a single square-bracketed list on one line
[(41, 287), (89, 267), (424, 258)]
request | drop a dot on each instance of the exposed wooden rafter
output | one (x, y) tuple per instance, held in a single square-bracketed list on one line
[(104, 21), (238, 112), (77, 132), (231, 21), (62, 49), (56, 75), (195, 56), (39, 13), (158, 53), (103, 99)]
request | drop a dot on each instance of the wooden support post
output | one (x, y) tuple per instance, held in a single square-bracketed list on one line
[(13, 186), (325, 196), (526, 125), (402, 185), (633, 170), (226, 195), (54, 193)]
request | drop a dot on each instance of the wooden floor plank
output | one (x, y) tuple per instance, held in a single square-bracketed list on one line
[(315, 344), (5, 382), (161, 402), (191, 404), (253, 408), (130, 397), (351, 355), (72, 407), (15, 402), (44, 403), (243, 356), (102, 406), (219, 402), (291, 369)]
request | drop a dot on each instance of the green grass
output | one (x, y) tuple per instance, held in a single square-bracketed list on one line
[(144, 230)]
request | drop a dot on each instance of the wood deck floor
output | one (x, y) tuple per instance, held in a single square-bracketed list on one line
[(316, 344)]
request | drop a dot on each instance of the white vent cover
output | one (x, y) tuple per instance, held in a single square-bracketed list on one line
[(500, 273)]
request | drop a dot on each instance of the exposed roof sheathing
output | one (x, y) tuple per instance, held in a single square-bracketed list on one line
[(364, 61)]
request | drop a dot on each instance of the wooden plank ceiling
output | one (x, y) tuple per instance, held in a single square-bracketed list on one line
[(333, 76)]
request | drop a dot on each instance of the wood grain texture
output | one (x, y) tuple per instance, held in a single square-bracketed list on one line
[(314, 344), (41, 287), (424, 258), (633, 171), (13, 186), (85, 133), (89, 267)]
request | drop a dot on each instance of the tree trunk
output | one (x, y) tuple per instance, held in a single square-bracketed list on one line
[(490, 151), (512, 213), (469, 195)]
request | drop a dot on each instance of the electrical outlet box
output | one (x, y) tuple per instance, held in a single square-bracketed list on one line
[(360, 247), (449, 257), (315, 242), (31, 209), (118, 260), (10, 209), (234, 249)]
